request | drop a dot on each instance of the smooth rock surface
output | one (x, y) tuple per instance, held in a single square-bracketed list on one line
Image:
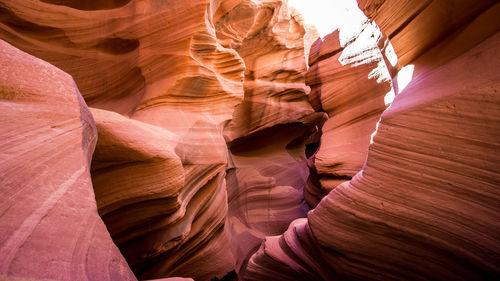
[(425, 206), (210, 139), (429, 186), (269, 129), (49, 225), (159, 63), (349, 82), (164, 78)]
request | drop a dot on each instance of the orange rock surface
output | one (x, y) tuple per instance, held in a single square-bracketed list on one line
[(169, 84), (425, 205), (219, 124), (349, 82), (269, 128)]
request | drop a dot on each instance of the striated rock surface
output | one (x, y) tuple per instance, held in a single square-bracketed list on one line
[(270, 127), (159, 168), (129, 54), (209, 141), (163, 78), (171, 209), (414, 27), (349, 80), (270, 39), (49, 225), (418, 198), (425, 205)]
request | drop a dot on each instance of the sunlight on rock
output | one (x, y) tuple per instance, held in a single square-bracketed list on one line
[(374, 133), (328, 15), (389, 97), (391, 55), (404, 77), (249, 140)]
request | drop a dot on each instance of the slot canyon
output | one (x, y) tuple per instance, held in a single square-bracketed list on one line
[(235, 140)]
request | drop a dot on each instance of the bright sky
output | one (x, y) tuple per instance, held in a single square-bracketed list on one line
[(345, 15), (328, 15)]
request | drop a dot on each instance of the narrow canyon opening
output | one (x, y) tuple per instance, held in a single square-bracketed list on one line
[(249, 140)]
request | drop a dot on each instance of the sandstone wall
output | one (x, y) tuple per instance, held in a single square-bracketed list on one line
[(425, 204), (49, 226), (169, 84), (212, 131)]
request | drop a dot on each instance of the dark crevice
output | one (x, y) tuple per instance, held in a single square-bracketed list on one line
[(311, 149), (231, 276), (33, 30), (117, 45), (89, 5)]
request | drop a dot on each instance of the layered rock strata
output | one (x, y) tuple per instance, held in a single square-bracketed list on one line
[(270, 127), (425, 205), (349, 81), (203, 118), (163, 79), (175, 86), (49, 225)]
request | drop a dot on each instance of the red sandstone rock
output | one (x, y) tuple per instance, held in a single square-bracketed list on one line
[(412, 206), (413, 27), (269, 39), (49, 226), (170, 186), (160, 63), (177, 69), (349, 83), (268, 131), (425, 205), (129, 55)]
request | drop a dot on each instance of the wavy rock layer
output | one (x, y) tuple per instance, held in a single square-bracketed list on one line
[(158, 62), (414, 27), (203, 118), (163, 78), (446, 202), (270, 127), (349, 83), (125, 55), (426, 204), (270, 39), (49, 224)]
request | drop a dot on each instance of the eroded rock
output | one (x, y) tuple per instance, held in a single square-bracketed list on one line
[(425, 204), (49, 225)]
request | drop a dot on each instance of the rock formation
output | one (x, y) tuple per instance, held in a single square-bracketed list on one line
[(50, 228), (349, 81), (269, 128), (159, 167), (425, 204), (163, 80), (218, 130)]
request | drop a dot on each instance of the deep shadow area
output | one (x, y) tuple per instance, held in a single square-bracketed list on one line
[(231, 276), (268, 136), (89, 5), (117, 45), (33, 30)]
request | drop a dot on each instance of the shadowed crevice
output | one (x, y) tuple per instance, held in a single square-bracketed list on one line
[(88, 5)]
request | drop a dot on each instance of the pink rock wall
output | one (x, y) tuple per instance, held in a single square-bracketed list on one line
[(349, 82), (207, 138), (425, 204), (49, 226), (267, 134), (163, 80)]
